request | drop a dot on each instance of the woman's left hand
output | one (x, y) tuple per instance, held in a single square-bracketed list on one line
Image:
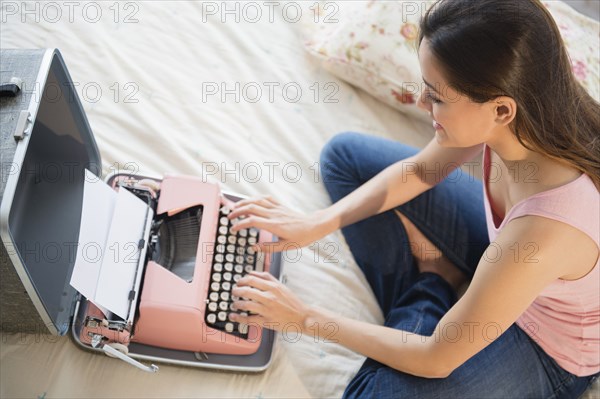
[(275, 305)]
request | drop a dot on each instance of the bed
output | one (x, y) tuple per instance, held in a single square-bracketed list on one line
[(168, 87)]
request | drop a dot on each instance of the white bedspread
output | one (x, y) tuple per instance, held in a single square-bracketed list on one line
[(146, 87)]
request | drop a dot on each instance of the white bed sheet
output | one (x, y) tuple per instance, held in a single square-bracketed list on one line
[(163, 61)]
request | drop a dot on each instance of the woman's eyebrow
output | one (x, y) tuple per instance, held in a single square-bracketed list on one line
[(430, 85)]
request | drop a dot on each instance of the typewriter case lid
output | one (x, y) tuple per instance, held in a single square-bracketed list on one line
[(41, 203)]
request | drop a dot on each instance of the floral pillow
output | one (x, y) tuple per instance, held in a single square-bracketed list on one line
[(582, 38), (372, 45)]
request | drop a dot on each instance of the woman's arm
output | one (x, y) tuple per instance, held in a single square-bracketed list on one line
[(395, 185), (527, 255)]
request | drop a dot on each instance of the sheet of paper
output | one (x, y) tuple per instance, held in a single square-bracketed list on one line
[(96, 216), (121, 256), (107, 254)]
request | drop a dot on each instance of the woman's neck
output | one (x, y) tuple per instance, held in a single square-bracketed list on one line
[(506, 145), (520, 162)]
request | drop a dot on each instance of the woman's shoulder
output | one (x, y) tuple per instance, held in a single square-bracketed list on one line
[(550, 241)]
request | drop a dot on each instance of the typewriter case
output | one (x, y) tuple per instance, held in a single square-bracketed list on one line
[(46, 145)]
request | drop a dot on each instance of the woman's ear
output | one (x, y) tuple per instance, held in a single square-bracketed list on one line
[(505, 110)]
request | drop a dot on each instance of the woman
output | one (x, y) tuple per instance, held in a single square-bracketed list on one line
[(496, 78)]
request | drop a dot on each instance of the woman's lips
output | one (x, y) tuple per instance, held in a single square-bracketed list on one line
[(437, 126)]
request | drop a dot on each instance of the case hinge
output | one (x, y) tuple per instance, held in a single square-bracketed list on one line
[(22, 125)]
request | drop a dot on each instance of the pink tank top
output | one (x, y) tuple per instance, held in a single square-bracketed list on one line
[(564, 319)]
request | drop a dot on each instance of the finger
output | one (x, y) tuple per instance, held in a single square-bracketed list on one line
[(249, 306), (264, 275), (227, 202), (272, 200), (269, 247), (267, 202), (248, 209), (251, 221), (253, 294), (263, 202), (247, 319), (253, 282)]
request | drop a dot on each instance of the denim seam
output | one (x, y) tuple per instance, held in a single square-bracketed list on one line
[(563, 383), (420, 321)]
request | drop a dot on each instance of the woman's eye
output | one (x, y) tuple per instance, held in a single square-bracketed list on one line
[(433, 99)]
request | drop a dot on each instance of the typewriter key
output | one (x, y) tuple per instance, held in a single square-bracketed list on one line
[(227, 276), (223, 305), (253, 233), (250, 251), (239, 259), (237, 277), (239, 268), (251, 240), (222, 316), (224, 295), (228, 266), (243, 328), (240, 250), (214, 296), (241, 241), (243, 233), (218, 267), (215, 286), (221, 239), (224, 221), (231, 239), (212, 306), (231, 248), (226, 286), (216, 277), (224, 210), (211, 318), (221, 248), (229, 257), (229, 327), (250, 259), (248, 268), (223, 230)]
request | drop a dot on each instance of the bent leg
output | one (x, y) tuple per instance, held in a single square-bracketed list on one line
[(450, 215), (379, 244)]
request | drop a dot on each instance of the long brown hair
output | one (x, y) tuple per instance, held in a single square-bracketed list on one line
[(491, 48)]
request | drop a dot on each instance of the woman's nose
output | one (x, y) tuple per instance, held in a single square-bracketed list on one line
[(423, 104)]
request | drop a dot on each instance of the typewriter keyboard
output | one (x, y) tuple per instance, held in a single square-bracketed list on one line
[(233, 258)]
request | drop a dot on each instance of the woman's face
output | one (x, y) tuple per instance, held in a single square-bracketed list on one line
[(457, 120)]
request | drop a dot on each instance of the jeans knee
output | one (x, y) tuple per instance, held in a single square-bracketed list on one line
[(337, 144), (335, 153)]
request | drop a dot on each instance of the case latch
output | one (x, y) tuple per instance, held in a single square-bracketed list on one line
[(12, 88)]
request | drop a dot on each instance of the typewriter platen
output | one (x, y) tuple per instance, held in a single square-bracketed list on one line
[(192, 262)]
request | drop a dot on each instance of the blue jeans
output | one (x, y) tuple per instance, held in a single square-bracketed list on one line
[(451, 215)]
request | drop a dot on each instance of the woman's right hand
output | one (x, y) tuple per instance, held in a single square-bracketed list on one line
[(293, 229)]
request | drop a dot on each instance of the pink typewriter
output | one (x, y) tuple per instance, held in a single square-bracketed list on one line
[(173, 289)]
